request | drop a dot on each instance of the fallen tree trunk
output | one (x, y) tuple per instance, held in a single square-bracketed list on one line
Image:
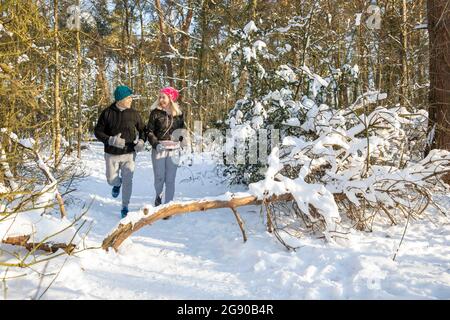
[(123, 231), (32, 246)]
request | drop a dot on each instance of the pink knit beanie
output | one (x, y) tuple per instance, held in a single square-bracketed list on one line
[(171, 92)]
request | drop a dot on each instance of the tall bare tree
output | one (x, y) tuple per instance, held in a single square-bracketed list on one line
[(57, 98), (165, 42)]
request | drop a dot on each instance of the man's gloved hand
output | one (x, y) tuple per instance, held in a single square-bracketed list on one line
[(139, 147), (182, 142), (117, 141), (160, 147)]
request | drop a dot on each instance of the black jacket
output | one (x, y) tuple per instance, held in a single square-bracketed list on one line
[(161, 125), (112, 121)]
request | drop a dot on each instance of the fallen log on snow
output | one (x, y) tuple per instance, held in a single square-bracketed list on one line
[(32, 246), (136, 221)]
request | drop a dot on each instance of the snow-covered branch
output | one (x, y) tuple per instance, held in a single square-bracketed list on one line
[(51, 187), (357, 164)]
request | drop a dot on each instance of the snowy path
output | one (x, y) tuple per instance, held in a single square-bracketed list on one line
[(201, 255)]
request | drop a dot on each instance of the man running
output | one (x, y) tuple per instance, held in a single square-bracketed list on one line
[(121, 130)]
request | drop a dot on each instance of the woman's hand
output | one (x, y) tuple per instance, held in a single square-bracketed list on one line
[(159, 147)]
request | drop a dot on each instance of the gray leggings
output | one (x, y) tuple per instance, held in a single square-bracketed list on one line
[(125, 164), (164, 171)]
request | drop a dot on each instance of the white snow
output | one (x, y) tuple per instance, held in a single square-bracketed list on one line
[(421, 26), (249, 53), (23, 58), (231, 51), (202, 256), (259, 45), (286, 73), (27, 142), (358, 19), (294, 122), (2, 29), (317, 82)]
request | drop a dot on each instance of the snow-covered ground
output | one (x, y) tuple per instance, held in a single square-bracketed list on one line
[(202, 256)]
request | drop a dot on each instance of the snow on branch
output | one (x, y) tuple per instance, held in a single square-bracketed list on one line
[(51, 187), (358, 164), (23, 222)]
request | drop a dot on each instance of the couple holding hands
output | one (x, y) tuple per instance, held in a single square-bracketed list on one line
[(123, 134)]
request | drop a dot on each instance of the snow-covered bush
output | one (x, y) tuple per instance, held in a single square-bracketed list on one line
[(268, 90), (356, 164), (277, 94), (28, 196), (341, 163)]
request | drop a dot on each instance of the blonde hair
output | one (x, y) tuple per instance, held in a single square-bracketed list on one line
[(173, 106)]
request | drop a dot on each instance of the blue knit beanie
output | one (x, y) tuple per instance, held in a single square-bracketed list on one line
[(122, 92)]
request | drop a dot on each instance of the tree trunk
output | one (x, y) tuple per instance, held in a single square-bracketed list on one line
[(102, 92), (165, 43), (141, 85), (123, 231), (185, 41), (23, 241), (439, 111), (253, 6), (79, 118), (200, 90), (57, 98)]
